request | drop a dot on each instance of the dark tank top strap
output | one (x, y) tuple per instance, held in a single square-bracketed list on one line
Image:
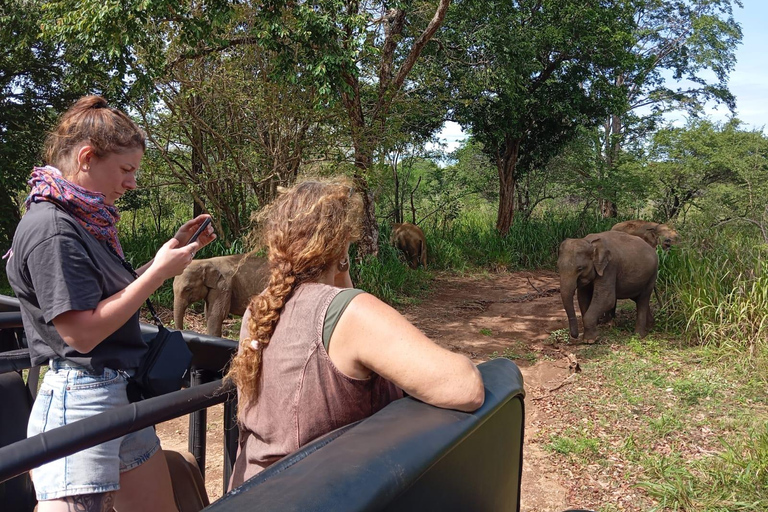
[(335, 309)]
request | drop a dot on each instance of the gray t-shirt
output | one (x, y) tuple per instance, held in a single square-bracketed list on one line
[(58, 266)]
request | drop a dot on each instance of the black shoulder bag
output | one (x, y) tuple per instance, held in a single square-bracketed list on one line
[(166, 363)]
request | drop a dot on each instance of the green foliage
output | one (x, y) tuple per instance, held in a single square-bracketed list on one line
[(387, 276), (33, 87), (715, 291), (472, 242), (525, 105)]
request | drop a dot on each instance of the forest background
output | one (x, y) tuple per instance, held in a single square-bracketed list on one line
[(566, 104)]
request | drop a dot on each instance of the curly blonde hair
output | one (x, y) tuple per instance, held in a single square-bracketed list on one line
[(306, 231)]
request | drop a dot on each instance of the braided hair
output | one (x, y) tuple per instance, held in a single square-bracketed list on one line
[(306, 231)]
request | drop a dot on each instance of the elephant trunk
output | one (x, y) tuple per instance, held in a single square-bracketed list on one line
[(566, 293), (179, 308)]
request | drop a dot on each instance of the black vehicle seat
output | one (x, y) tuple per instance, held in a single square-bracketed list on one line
[(17, 494)]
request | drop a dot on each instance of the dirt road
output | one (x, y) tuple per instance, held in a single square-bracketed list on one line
[(510, 315)]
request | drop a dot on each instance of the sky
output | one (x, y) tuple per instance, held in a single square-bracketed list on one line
[(748, 81)]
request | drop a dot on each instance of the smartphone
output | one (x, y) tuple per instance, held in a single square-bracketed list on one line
[(200, 230)]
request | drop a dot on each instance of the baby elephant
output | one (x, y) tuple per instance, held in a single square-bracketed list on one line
[(654, 234), (601, 268), (226, 283), (410, 239)]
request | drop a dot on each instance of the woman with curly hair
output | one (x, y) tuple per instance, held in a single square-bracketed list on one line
[(315, 353)]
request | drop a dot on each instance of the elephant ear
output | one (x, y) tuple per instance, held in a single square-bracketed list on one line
[(652, 234), (215, 279), (600, 256)]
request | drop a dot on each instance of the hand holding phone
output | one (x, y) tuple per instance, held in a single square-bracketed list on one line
[(199, 230)]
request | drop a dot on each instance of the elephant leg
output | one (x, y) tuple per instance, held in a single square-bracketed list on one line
[(603, 299), (609, 316), (584, 295), (643, 325), (650, 321), (216, 310)]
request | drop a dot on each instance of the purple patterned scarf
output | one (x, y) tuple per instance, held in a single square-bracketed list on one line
[(86, 206)]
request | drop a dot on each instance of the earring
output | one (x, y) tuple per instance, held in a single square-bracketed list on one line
[(85, 167), (343, 265)]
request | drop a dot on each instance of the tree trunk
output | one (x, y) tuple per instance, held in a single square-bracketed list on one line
[(608, 208), (506, 164), (197, 158), (369, 242)]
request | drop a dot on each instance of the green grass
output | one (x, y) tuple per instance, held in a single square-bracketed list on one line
[(573, 442), (714, 292), (735, 478), (688, 427), (518, 351), (472, 242)]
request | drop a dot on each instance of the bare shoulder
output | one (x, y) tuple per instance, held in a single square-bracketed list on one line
[(366, 308)]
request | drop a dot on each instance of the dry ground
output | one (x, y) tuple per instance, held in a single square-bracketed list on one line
[(486, 316)]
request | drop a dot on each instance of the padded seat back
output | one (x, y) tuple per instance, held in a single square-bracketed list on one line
[(17, 494), (407, 457)]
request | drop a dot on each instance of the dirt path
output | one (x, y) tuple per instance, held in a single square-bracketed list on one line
[(511, 315)]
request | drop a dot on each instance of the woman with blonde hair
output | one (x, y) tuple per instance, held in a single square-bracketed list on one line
[(80, 306), (315, 353)]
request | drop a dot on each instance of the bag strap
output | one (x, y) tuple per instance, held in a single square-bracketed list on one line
[(127, 266)]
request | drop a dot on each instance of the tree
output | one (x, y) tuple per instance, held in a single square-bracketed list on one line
[(527, 74), (686, 162), (359, 54), (385, 41), (230, 115), (231, 135), (34, 87), (694, 41)]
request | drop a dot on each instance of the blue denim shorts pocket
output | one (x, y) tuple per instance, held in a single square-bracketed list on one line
[(72, 394), (85, 380)]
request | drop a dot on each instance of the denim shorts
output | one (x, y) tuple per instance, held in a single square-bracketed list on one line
[(70, 393)]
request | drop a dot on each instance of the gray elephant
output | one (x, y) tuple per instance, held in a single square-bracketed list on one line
[(410, 239), (653, 233), (226, 283), (604, 267)]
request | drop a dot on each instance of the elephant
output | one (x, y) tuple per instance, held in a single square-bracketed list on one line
[(653, 233), (226, 283), (604, 267), (410, 239)]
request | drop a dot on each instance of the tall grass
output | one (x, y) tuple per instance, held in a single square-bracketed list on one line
[(472, 241), (715, 291), (387, 276)]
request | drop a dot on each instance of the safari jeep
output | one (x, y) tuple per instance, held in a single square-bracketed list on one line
[(408, 456)]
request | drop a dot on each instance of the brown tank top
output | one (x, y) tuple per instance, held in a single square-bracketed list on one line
[(302, 394)]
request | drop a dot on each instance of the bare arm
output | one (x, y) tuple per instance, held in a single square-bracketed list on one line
[(372, 337), (84, 330)]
